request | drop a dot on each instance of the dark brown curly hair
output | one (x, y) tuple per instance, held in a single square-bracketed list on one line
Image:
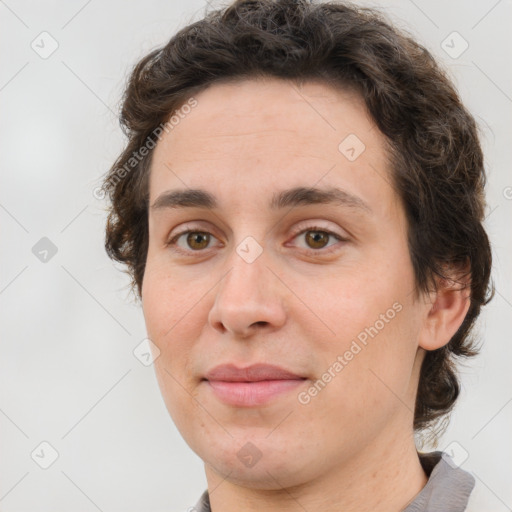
[(434, 148)]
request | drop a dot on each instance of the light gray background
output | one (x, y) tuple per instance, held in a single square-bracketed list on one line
[(68, 375)]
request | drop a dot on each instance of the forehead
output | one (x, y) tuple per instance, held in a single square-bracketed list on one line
[(268, 107), (269, 133)]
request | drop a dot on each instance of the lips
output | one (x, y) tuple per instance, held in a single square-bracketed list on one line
[(254, 385), (253, 373)]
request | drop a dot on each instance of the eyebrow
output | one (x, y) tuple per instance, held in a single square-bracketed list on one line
[(298, 196)]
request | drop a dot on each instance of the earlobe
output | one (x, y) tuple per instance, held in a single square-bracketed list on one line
[(449, 306)]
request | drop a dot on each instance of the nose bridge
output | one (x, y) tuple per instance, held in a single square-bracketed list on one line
[(247, 265), (248, 278), (247, 295)]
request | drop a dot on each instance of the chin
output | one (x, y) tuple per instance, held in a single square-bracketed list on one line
[(264, 476), (257, 463)]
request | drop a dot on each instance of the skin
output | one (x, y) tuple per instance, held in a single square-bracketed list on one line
[(297, 305)]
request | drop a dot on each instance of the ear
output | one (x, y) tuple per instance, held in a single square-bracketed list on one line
[(447, 309)]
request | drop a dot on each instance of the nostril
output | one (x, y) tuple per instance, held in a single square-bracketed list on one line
[(262, 323)]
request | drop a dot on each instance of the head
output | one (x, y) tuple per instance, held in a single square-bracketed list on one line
[(366, 287)]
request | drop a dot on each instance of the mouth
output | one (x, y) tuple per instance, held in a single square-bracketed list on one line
[(252, 386)]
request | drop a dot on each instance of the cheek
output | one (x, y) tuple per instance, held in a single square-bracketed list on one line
[(371, 390), (171, 315), (350, 302), (168, 303), (375, 324), (380, 375)]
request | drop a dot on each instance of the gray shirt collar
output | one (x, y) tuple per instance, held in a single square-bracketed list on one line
[(447, 489)]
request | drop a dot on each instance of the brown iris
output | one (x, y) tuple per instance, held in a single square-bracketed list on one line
[(200, 238), (317, 239)]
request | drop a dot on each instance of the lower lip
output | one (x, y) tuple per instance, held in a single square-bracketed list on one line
[(249, 394)]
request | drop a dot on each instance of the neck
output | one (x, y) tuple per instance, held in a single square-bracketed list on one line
[(385, 479)]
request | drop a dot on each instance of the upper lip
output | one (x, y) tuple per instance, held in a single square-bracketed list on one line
[(252, 373)]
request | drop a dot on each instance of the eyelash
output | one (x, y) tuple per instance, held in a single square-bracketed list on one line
[(172, 243)]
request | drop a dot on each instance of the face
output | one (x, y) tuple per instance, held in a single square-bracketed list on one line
[(278, 285)]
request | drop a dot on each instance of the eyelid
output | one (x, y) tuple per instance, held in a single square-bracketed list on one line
[(314, 225), (194, 226), (172, 240)]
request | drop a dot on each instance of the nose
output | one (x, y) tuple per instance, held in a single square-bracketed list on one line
[(249, 299)]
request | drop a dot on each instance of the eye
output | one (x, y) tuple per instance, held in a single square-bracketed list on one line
[(190, 240), (316, 239)]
